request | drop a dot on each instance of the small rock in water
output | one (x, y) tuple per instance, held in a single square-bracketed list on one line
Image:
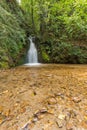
[(52, 101), (43, 110), (76, 99), (35, 119), (69, 126), (61, 120), (39, 112), (25, 127), (59, 123), (51, 111), (61, 116)]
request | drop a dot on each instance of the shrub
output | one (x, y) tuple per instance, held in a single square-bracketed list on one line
[(68, 53), (12, 36)]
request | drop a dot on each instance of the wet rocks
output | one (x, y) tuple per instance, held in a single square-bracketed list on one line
[(69, 126), (52, 101), (25, 127), (39, 112), (59, 123), (35, 119), (61, 116), (76, 99)]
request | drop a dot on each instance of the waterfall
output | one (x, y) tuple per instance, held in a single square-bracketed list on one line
[(32, 52), (19, 1)]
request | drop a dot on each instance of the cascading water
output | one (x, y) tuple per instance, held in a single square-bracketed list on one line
[(19, 1), (32, 52)]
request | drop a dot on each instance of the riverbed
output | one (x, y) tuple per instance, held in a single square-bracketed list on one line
[(44, 97)]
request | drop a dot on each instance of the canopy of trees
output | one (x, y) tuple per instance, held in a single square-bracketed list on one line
[(61, 27), (52, 16)]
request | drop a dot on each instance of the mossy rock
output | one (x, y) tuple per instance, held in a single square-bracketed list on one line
[(4, 64)]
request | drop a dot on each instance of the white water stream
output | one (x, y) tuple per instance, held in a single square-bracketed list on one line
[(32, 52), (19, 2), (32, 55)]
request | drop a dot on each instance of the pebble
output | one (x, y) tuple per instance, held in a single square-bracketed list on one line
[(52, 101), (69, 126), (76, 99), (59, 123)]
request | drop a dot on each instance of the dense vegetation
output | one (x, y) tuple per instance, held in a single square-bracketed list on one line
[(60, 28), (12, 33)]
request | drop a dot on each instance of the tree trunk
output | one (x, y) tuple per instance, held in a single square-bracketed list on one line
[(32, 15)]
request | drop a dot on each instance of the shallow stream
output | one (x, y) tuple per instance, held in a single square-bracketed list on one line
[(44, 97)]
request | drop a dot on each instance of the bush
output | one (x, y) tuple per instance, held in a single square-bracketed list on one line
[(44, 55), (12, 36), (68, 53)]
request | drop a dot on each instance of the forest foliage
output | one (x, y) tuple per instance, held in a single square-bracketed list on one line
[(12, 33), (60, 28), (58, 18)]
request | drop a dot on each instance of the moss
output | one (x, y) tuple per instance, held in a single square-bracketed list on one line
[(45, 56), (4, 64)]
